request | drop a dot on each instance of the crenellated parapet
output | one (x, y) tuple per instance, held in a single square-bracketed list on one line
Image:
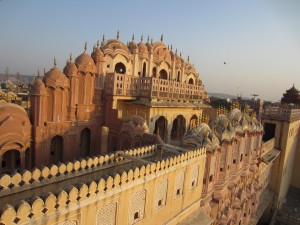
[(40, 176), (108, 190)]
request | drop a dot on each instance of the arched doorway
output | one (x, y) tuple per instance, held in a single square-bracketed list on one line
[(85, 142), (11, 161), (144, 70), (178, 128), (191, 81), (193, 122), (56, 149), (120, 68), (161, 128), (163, 74), (154, 72)]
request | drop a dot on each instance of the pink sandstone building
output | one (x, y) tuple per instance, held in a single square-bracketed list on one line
[(120, 137)]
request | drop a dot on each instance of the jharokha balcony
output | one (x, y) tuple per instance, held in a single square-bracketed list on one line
[(118, 84)]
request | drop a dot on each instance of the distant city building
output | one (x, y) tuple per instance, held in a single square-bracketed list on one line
[(292, 96)]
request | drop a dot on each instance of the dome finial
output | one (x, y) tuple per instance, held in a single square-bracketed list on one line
[(103, 38), (171, 47), (180, 54), (54, 63), (85, 46), (70, 57), (142, 38), (44, 71), (188, 59), (132, 39), (148, 39), (176, 51), (98, 44), (38, 74), (151, 41), (118, 35), (162, 37)]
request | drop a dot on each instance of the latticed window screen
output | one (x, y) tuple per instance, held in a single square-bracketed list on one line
[(137, 206), (106, 215), (161, 194), (194, 176), (179, 181)]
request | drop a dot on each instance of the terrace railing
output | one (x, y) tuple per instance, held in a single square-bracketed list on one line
[(152, 88)]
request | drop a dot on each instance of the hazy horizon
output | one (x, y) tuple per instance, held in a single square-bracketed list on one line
[(258, 40)]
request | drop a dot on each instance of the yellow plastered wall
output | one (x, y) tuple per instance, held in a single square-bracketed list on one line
[(130, 197)]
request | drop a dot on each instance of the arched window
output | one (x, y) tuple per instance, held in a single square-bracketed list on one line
[(85, 142), (11, 161), (191, 81), (144, 70), (154, 72), (56, 149), (120, 68), (163, 74)]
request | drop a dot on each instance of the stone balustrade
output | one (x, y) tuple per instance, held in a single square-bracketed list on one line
[(46, 206), (152, 88), (285, 114)]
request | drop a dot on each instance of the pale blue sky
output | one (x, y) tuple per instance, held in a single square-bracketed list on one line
[(258, 39)]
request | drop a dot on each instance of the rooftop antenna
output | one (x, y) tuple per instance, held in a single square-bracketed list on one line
[(254, 95)]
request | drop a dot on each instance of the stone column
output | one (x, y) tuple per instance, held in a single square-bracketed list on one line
[(169, 129)]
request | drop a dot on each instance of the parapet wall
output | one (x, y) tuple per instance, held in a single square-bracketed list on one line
[(77, 200), (77, 170)]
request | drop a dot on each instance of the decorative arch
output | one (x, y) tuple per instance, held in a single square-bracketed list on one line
[(161, 127), (11, 161), (191, 81), (163, 74), (120, 68), (178, 128), (85, 142), (56, 149)]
